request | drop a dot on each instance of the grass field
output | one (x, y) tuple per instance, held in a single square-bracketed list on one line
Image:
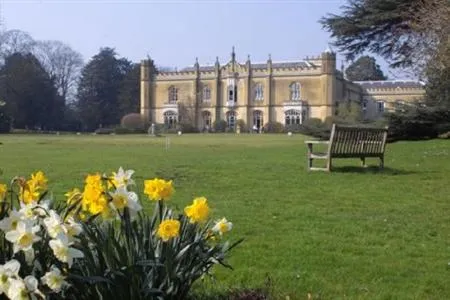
[(351, 234)]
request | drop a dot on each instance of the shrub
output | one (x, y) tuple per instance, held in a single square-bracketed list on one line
[(416, 123), (220, 125), (273, 127), (123, 130), (187, 128), (133, 121), (101, 244), (242, 125), (104, 130), (316, 128), (5, 125)]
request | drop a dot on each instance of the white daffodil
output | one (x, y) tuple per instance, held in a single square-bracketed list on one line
[(62, 250), (222, 226), (23, 289), (23, 236), (72, 228), (123, 177), (7, 271), (54, 224), (54, 280), (10, 223), (122, 198)]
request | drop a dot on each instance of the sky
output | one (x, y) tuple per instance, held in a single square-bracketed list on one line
[(174, 33)]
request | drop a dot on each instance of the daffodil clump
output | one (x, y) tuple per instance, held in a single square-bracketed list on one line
[(101, 241), (29, 232)]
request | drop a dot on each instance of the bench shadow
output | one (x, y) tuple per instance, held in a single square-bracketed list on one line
[(372, 170)]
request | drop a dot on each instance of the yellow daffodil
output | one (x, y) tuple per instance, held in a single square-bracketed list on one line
[(198, 211), (158, 189), (3, 190), (168, 229), (29, 192), (39, 179)]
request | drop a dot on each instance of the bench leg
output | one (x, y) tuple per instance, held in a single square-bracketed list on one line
[(363, 162), (309, 162), (381, 162), (329, 160)]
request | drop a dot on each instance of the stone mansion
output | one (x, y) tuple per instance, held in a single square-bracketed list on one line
[(288, 92)]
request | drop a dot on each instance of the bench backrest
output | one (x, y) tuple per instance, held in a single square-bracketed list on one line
[(349, 141)]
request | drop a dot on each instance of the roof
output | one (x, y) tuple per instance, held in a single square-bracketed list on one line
[(202, 69), (390, 84), (281, 65)]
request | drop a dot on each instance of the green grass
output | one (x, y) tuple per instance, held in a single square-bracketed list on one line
[(352, 234)]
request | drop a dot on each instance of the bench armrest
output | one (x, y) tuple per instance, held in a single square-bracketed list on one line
[(317, 142)]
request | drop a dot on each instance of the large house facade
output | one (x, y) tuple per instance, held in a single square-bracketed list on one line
[(258, 93)]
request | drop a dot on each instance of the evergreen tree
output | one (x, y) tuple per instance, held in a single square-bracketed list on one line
[(129, 95), (364, 68), (30, 96), (98, 91)]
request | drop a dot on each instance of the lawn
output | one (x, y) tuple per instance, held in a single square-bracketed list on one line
[(352, 234)]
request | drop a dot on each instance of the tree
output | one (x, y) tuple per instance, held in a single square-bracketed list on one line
[(129, 95), (62, 63), (99, 88), (364, 68), (15, 41), (379, 26), (29, 93), (407, 33)]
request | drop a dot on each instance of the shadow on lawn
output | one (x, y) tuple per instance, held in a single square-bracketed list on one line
[(372, 170)]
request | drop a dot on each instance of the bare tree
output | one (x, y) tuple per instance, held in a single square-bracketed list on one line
[(15, 41), (62, 63)]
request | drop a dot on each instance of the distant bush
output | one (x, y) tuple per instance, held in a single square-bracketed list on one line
[(417, 123), (133, 121), (123, 130), (316, 128), (273, 127), (5, 125), (220, 125), (186, 127), (104, 130), (242, 125)]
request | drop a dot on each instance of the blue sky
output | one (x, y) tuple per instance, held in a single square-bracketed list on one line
[(173, 33)]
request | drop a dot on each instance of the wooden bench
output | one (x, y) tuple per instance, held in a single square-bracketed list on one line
[(350, 142)]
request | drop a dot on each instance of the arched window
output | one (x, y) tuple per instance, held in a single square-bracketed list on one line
[(257, 119), (295, 91), (206, 94), (170, 119), (173, 95), (206, 117), (259, 92), (293, 117), (231, 119)]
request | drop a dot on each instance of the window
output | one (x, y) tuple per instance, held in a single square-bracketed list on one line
[(257, 119), (206, 94), (170, 119), (231, 119), (206, 117), (259, 92), (292, 117), (173, 95), (380, 107), (232, 93), (295, 91)]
